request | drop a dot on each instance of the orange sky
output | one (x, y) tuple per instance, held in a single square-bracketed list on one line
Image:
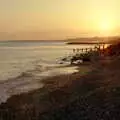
[(58, 19)]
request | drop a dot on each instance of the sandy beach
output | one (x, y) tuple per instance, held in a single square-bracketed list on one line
[(91, 93), (55, 86)]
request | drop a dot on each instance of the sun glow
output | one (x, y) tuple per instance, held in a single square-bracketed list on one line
[(106, 27)]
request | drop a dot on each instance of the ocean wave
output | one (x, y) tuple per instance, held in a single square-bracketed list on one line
[(31, 78)]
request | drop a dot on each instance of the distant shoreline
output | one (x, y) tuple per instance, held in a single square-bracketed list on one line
[(75, 43)]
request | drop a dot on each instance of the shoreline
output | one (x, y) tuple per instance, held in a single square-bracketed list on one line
[(87, 96), (50, 84), (86, 43), (91, 93), (16, 86)]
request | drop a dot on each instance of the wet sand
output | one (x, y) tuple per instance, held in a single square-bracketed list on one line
[(50, 84), (93, 94), (32, 80)]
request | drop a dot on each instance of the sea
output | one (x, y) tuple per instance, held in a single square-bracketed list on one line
[(23, 64)]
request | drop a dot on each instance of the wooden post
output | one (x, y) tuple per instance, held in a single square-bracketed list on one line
[(73, 50), (82, 50), (103, 47)]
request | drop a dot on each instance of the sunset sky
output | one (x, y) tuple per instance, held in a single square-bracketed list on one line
[(58, 19)]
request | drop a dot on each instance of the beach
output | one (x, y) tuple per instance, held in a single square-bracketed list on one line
[(60, 60), (91, 95), (92, 92), (56, 92)]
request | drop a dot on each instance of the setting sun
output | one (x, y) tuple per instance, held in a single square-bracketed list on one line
[(106, 27)]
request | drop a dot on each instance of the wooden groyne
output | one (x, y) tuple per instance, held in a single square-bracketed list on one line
[(88, 54), (88, 49)]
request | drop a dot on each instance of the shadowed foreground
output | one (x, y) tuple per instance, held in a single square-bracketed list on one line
[(91, 96)]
